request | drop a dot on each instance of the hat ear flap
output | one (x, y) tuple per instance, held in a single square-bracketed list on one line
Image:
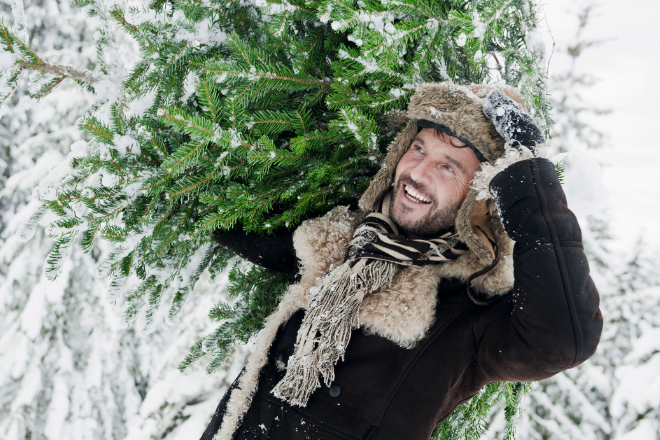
[(467, 220), (382, 182)]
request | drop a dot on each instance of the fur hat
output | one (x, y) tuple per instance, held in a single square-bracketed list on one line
[(459, 110)]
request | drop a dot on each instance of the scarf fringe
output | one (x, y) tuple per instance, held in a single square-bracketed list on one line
[(326, 329)]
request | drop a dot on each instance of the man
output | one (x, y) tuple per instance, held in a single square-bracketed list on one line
[(408, 307)]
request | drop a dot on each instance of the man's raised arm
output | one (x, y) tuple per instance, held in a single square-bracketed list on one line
[(551, 322)]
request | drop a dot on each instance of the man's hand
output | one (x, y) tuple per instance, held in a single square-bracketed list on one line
[(515, 125)]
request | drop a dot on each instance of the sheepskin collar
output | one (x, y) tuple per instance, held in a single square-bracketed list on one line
[(404, 311)]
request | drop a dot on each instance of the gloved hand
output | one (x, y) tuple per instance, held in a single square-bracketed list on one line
[(515, 125)]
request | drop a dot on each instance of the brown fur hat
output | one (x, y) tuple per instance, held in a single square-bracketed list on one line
[(459, 108)]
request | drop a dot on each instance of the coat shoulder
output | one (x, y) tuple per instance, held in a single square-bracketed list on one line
[(320, 242)]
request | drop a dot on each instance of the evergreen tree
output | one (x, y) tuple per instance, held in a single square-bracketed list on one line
[(178, 406), (65, 372), (70, 368), (255, 116), (572, 130), (633, 404)]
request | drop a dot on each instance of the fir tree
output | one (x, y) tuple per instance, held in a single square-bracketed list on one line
[(255, 116), (71, 369), (55, 336), (570, 111)]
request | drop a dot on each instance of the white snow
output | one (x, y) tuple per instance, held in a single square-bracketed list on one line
[(134, 189), (94, 370), (479, 26), (28, 178), (58, 410), (539, 40), (35, 312), (190, 85), (583, 183), (30, 386), (7, 60), (27, 102), (109, 180), (104, 90), (205, 33), (370, 65), (140, 106), (124, 143), (645, 430)]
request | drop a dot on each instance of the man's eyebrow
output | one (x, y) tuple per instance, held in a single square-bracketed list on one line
[(454, 162), (417, 139)]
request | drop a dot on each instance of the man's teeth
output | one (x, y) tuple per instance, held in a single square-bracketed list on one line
[(416, 196)]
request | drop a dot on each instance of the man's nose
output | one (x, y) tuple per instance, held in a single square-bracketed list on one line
[(421, 172)]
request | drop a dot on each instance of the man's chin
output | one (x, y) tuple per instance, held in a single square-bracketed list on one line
[(407, 222), (420, 222), (407, 215)]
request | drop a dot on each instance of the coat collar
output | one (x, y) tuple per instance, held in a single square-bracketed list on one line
[(405, 310)]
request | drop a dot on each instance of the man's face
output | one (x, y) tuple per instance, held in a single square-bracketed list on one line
[(430, 183)]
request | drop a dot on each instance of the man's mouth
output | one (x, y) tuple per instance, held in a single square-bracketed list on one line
[(413, 195)]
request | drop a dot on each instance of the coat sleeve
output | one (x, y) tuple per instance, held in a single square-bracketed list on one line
[(551, 320), (275, 252)]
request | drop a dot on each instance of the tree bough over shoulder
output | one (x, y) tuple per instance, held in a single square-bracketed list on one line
[(256, 116)]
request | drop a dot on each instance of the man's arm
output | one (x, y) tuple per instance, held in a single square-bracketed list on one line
[(273, 252), (551, 322)]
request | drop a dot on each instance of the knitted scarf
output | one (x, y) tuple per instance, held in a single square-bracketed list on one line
[(376, 253)]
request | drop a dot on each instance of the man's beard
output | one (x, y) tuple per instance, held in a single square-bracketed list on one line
[(433, 222)]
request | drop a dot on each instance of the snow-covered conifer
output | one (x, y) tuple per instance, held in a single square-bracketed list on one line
[(70, 366)]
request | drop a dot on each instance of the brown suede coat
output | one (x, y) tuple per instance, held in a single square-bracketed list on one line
[(418, 356)]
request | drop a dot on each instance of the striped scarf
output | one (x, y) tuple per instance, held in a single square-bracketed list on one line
[(376, 253)]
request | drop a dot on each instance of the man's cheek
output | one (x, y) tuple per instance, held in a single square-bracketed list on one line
[(451, 191)]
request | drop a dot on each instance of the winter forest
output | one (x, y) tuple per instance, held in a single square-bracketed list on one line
[(130, 130)]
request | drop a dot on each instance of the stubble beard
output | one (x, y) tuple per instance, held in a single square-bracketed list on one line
[(436, 219)]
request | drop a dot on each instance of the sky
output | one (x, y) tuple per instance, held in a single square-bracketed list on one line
[(626, 64)]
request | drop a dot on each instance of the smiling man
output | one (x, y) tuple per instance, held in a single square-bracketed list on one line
[(431, 182), (462, 267)]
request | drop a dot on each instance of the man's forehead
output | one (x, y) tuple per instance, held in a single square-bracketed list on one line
[(443, 147), (427, 137), (423, 124)]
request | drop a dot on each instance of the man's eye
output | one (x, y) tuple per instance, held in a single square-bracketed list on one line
[(418, 148)]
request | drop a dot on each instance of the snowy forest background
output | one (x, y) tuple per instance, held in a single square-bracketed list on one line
[(71, 368)]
